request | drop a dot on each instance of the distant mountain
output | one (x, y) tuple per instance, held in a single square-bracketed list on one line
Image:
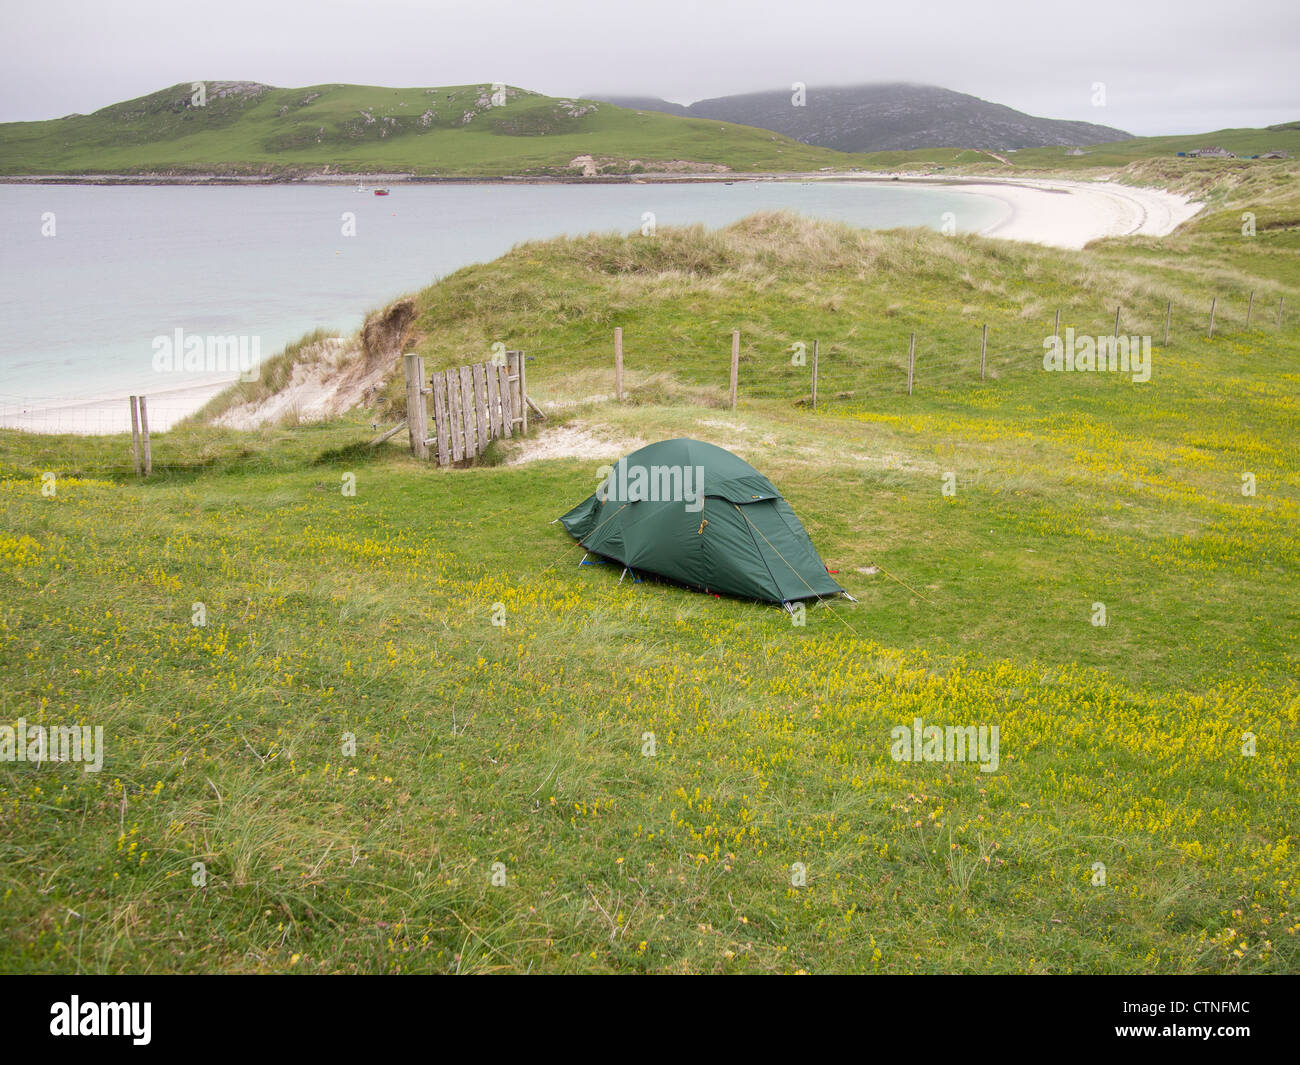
[(644, 103), (886, 117)]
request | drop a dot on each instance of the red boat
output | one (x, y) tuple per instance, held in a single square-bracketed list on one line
[(381, 192)]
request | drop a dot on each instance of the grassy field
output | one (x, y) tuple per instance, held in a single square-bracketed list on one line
[(1241, 142), (526, 744), (450, 131)]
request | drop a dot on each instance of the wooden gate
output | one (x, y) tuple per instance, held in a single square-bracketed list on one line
[(472, 406)]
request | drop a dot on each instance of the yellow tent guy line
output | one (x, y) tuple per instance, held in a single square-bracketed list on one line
[(882, 569), (907, 586), (578, 543)]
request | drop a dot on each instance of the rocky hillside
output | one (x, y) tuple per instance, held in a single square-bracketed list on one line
[(886, 117)]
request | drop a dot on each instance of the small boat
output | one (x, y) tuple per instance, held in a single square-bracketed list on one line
[(361, 187), (381, 192)]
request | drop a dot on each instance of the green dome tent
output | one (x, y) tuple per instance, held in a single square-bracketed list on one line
[(697, 514)]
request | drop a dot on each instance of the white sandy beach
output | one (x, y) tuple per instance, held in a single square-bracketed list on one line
[(1057, 213), (107, 413), (1069, 214)]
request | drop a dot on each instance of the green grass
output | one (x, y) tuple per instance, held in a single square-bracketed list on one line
[(360, 128), (372, 615), (1098, 157)]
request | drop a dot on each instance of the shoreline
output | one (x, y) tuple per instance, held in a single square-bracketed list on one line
[(109, 413), (379, 178), (1053, 212), (1072, 214), (1090, 210)]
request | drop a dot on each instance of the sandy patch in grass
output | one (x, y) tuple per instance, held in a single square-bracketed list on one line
[(574, 441)]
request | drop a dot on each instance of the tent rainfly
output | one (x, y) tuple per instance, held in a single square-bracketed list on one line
[(696, 514)]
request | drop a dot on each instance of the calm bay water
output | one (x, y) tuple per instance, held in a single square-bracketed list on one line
[(81, 309)]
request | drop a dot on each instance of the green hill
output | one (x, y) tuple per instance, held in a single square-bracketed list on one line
[(249, 128)]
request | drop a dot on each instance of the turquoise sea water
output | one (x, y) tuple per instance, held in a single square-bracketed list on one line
[(81, 308)]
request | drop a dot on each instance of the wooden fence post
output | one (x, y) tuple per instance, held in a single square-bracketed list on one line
[(1056, 329), (984, 345), (469, 427), (455, 416), (417, 421), (911, 361), (1279, 312), (523, 390), (512, 375), (1169, 318), (495, 429), (480, 406), (618, 363), (1214, 300), (135, 432), (1116, 322), (144, 437), (387, 434), (440, 417), (814, 394), (518, 395), (507, 402), (735, 364)]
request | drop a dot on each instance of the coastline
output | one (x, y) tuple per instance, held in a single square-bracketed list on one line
[(108, 413), (1059, 212), (1053, 212)]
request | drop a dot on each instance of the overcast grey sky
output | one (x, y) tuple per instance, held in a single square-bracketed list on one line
[(1168, 66)]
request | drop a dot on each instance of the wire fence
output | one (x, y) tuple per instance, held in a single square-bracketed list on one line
[(84, 417), (900, 354)]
